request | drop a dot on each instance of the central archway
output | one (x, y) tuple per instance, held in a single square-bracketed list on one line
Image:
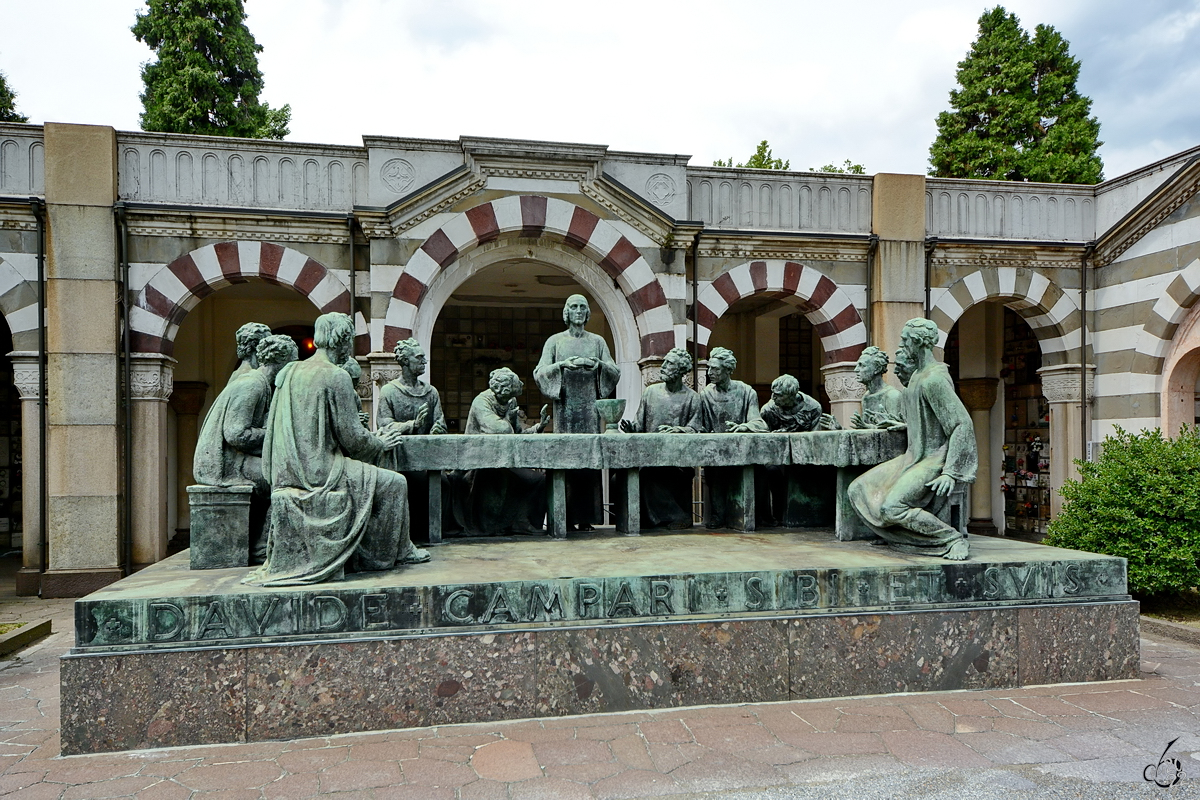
[(627, 341)]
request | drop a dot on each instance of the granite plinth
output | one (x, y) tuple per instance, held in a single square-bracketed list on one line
[(525, 628)]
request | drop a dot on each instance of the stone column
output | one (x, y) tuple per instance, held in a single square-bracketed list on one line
[(898, 279), (186, 398), (844, 390), (151, 388), (83, 350), (25, 377), (979, 395), (1060, 387)]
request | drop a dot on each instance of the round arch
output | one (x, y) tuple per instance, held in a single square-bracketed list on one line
[(176, 288), (1180, 371), (1048, 310), (18, 304), (534, 217), (627, 339), (1160, 331), (826, 305)]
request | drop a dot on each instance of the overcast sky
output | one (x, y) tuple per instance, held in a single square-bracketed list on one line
[(823, 81)]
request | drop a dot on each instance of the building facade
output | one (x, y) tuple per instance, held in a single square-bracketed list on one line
[(1065, 310)]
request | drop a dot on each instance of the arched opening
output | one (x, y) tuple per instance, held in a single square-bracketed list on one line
[(1180, 404), (501, 316), (770, 338), (206, 355), (994, 356), (11, 527)]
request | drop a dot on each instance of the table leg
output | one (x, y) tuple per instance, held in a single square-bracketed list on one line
[(628, 502), (745, 500), (556, 508), (435, 506)]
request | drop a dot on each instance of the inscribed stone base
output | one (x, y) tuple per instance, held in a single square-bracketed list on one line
[(516, 627)]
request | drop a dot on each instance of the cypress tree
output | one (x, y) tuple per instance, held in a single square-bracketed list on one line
[(1017, 114), (206, 78)]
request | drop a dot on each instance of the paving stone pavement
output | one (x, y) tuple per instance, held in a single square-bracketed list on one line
[(1081, 740)]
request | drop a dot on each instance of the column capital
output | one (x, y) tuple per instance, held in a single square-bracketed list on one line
[(978, 394), (188, 397), (1060, 383), (841, 384), (151, 376), (25, 373), (651, 370), (383, 368)]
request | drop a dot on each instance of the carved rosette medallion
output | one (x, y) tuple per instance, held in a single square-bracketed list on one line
[(398, 174), (152, 378), (1060, 384), (661, 188)]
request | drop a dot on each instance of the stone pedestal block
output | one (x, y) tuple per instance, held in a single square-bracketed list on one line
[(220, 526)]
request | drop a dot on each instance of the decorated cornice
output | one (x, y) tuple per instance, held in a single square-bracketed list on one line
[(1148, 214)]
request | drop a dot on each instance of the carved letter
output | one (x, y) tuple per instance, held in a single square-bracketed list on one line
[(622, 604), (1026, 578), (327, 601), (214, 619), (260, 622), (589, 596), (374, 610), (898, 583), (660, 597), (540, 604), (448, 608), (1071, 584), (169, 611), (991, 583), (498, 606), (806, 590), (755, 596)]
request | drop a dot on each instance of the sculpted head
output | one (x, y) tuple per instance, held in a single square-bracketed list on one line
[(785, 391), (871, 364), (677, 362), (577, 311), (410, 354), (505, 384), (918, 335), (334, 332), (721, 364), (275, 352), (247, 337)]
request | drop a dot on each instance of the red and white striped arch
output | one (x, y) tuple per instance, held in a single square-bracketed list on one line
[(175, 289), (823, 302), (534, 216)]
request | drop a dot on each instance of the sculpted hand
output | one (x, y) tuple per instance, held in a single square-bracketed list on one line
[(364, 418), (674, 429), (828, 423), (857, 422), (419, 422), (390, 436), (627, 426), (439, 427), (942, 485)]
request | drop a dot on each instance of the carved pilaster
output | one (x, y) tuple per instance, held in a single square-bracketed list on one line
[(844, 390), (152, 377), (978, 394)]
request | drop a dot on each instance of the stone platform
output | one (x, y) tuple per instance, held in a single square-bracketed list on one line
[(525, 627)]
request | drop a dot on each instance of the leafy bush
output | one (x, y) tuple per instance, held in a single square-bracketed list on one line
[(1139, 501)]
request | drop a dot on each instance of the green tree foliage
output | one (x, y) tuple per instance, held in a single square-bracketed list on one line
[(206, 78), (762, 159), (8, 103), (1017, 115), (1139, 501), (847, 167)]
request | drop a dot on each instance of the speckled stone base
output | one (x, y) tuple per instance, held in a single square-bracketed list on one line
[(130, 700)]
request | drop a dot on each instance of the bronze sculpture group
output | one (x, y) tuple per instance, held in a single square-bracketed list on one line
[(329, 495)]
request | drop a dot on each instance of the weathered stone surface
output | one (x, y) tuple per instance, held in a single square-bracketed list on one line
[(140, 700), (1081, 643), (915, 652)]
